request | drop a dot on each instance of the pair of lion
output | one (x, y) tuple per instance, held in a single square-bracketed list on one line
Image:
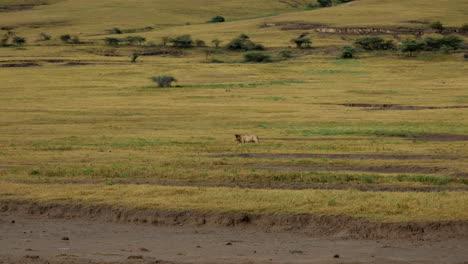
[(247, 139)]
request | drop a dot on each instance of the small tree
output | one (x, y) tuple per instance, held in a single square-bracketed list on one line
[(19, 41), (135, 56), (325, 3), (65, 38), (243, 42), (302, 42), (183, 42), (116, 31), (412, 46), (217, 19), (216, 42), (112, 41), (348, 52), (165, 40), (43, 36), (438, 26), (257, 56), (164, 81)]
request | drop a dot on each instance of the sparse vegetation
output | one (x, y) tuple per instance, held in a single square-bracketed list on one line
[(348, 52), (19, 40), (44, 36), (217, 19), (375, 43), (244, 43), (286, 54), (164, 81), (65, 38), (182, 42), (438, 26), (257, 56), (135, 56)]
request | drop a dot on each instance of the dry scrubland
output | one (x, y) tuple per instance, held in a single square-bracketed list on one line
[(80, 127)]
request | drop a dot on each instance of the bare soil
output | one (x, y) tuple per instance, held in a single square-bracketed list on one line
[(38, 240), (32, 233), (332, 156)]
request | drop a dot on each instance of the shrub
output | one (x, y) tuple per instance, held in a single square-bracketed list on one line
[(183, 42), (374, 43), (112, 41), (165, 40), (257, 56), (75, 40), (19, 40), (43, 36), (115, 31), (216, 42), (217, 19), (450, 42), (302, 42), (243, 42), (412, 46), (132, 40), (325, 3), (164, 81), (65, 38), (214, 60), (135, 56), (200, 43), (348, 52), (438, 26), (285, 54)]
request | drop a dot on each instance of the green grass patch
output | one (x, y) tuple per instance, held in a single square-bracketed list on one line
[(271, 98)]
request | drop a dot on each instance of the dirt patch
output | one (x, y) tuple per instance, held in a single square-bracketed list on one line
[(379, 169), (330, 226), (19, 65), (160, 52), (400, 107), (332, 156)]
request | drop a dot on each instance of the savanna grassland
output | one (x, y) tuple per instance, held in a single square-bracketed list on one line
[(383, 136)]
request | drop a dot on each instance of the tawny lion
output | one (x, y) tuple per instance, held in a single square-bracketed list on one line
[(247, 139)]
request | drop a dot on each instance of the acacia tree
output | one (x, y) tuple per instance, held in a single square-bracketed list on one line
[(302, 42), (216, 42), (412, 46)]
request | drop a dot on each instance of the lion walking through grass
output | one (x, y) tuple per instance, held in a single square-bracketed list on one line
[(247, 139)]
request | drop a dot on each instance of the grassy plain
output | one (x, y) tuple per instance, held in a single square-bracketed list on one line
[(83, 128)]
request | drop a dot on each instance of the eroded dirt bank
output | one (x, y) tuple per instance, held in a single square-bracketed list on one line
[(317, 226), (36, 239)]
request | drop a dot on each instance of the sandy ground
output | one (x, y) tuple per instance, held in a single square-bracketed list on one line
[(30, 239)]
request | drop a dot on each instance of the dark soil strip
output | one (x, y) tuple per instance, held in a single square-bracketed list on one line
[(19, 65), (441, 137), (380, 169), (377, 107), (336, 226), (20, 7), (332, 156)]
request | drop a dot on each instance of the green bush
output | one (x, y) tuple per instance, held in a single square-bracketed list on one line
[(257, 56), (348, 52), (302, 42), (135, 56), (132, 40), (217, 19), (243, 42), (19, 40), (200, 43), (412, 46), (65, 38), (112, 41), (115, 31), (75, 40), (183, 42), (374, 43), (164, 81), (214, 60), (449, 42), (438, 26), (325, 3)]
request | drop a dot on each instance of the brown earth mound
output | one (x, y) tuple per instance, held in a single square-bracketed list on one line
[(330, 226), (332, 156)]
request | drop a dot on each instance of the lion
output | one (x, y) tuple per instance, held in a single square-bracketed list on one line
[(247, 139)]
